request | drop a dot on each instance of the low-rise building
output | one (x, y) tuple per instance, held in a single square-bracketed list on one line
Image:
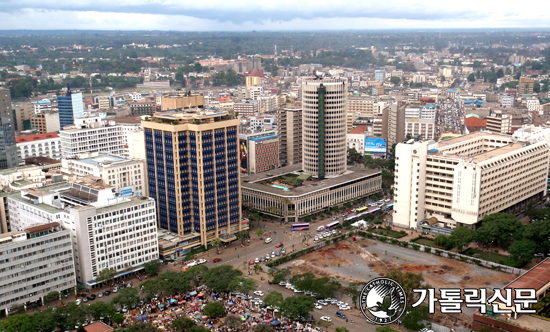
[(143, 108), (45, 122), (44, 263), (247, 107), (42, 145)]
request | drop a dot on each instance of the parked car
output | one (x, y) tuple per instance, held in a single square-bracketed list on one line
[(268, 240), (282, 283), (278, 253), (100, 294), (326, 318), (78, 301), (85, 299), (115, 290), (257, 260), (92, 297), (107, 292), (318, 307), (322, 302), (259, 293), (315, 239), (280, 244), (283, 251), (217, 260), (320, 228), (201, 261), (251, 262)]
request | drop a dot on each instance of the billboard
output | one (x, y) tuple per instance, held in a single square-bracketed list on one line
[(243, 155), (126, 191), (375, 146)]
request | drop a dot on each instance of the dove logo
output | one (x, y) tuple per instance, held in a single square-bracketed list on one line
[(382, 301)]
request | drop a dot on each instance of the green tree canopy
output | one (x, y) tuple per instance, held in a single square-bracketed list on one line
[(461, 237), (274, 299), (264, 328), (412, 320), (101, 309), (214, 309), (142, 327), (297, 307), (498, 227), (152, 267), (127, 297), (408, 281), (218, 278), (242, 284), (182, 324), (523, 250)]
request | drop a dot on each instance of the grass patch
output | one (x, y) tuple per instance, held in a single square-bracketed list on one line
[(381, 231), (493, 257), (426, 242)]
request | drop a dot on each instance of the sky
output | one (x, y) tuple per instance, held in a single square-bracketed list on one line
[(274, 15)]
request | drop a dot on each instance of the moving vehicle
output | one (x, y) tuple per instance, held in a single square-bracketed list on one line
[(326, 318), (217, 260), (320, 228), (300, 227), (362, 209), (332, 225), (389, 207), (259, 293), (268, 240), (280, 244), (340, 314)]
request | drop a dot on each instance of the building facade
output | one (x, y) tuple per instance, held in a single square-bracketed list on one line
[(70, 108), (193, 173), (247, 107), (92, 134), (458, 181), (362, 105), (143, 108), (34, 262), (45, 122), (499, 123), (8, 149), (126, 175), (324, 102), (290, 135), (393, 124), (42, 145)]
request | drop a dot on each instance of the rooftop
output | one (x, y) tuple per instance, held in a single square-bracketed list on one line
[(97, 327), (471, 136), (41, 228), (39, 137), (353, 173), (359, 130), (102, 159)]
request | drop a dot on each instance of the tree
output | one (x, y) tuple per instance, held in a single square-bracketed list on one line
[(242, 284), (500, 73), (81, 328), (51, 296), (498, 227), (182, 324), (415, 316), (118, 318), (17, 323), (152, 267), (233, 322), (142, 327), (324, 323), (477, 64), (260, 232), (101, 309), (385, 328), (342, 329), (441, 240), (523, 250), (264, 328), (274, 299), (127, 297), (218, 278), (216, 243), (214, 309), (354, 290), (297, 307), (408, 281), (395, 80), (44, 321), (242, 235), (538, 232), (472, 77), (198, 328), (281, 274), (105, 275), (71, 315), (461, 237)]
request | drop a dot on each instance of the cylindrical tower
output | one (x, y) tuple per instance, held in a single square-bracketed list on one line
[(324, 147)]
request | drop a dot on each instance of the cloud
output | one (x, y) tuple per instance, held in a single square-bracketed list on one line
[(263, 15)]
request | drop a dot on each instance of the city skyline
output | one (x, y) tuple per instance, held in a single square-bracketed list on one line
[(215, 15)]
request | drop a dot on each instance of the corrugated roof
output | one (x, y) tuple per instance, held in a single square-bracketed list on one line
[(359, 130), (39, 137), (41, 228)]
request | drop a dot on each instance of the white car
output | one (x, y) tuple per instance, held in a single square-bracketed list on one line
[(78, 301), (315, 239), (257, 260), (298, 291), (387, 200), (333, 232), (320, 228), (259, 293), (326, 318), (322, 302), (201, 261), (268, 240), (318, 307), (344, 307)]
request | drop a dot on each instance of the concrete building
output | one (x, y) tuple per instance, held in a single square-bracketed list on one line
[(181, 101), (525, 86), (8, 149), (44, 263), (44, 105), (474, 123), (356, 139), (193, 173), (324, 102), (253, 92), (268, 104), (507, 100), (114, 232), (71, 107), (458, 181), (42, 145), (379, 75), (261, 123), (23, 112), (127, 176), (104, 103), (92, 134), (362, 105), (259, 152), (143, 108), (499, 123), (45, 122), (247, 107), (289, 125), (136, 144), (351, 117), (420, 121), (533, 104), (308, 196), (393, 124)]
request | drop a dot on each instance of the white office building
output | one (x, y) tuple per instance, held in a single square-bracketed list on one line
[(110, 231), (126, 175), (91, 134), (34, 262), (40, 106), (41, 145), (458, 181), (420, 121)]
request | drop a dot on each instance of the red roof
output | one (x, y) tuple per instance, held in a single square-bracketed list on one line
[(359, 130), (39, 137), (98, 327)]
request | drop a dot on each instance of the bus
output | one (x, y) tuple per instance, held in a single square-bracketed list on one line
[(300, 227), (332, 226), (389, 207), (362, 209)]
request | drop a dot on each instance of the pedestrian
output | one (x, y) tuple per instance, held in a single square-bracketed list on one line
[(238, 256)]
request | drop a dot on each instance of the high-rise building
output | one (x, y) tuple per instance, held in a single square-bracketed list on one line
[(193, 172), (362, 105), (8, 150), (499, 123), (458, 181), (526, 86), (324, 147), (393, 124), (70, 108), (289, 124), (259, 152), (44, 263), (45, 122), (420, 121)]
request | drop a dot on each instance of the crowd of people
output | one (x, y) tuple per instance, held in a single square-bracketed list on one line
[(162, 311)]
